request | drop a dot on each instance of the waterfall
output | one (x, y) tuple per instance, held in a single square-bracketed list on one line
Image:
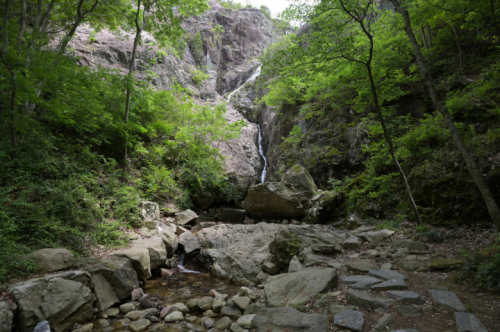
[(180, 265), (261, 151)]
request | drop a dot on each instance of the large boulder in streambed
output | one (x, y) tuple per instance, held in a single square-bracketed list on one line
[(288, 289), (274, 200), (235, 250), (62, 299), (120, 274), (298, 178)]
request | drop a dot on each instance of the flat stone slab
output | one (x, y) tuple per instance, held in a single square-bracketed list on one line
[(445, 264), (405, 296), (288, 319), (361, 266), (386, 274), (447, 300), (391, 284), (350, 319), (360, 282), (411, 245), (364, 300), (409, 311), (405, 330), (317, 260), (468, 323), (377, 236), (352, 242), (336, 309)]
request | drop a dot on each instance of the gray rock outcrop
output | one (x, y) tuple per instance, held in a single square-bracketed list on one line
[(62, 302), (6, 317), (50, 260)]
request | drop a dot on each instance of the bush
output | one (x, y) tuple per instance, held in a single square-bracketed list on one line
[(197, 76)]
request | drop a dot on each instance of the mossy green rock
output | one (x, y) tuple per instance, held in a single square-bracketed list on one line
[(445, 264)]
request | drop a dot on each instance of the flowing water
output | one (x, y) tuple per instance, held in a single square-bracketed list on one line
[(255, 74)]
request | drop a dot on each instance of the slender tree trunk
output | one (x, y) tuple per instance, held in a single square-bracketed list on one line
[(455, 134), (22, 26), (458, 44), (131, 67), (429, 36), (373, 87), (13, 134), (423, 37)]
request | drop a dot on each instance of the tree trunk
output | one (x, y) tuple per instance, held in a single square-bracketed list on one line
[(459, 142), (458, 44), (423, 37), (131, 66), (373, 87), (429, 36), (13, 135)]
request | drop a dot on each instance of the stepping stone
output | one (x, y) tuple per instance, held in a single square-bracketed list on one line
[(447, 300), (405, 330), (362, 266), (405, 296), (445, 264), (364, 300), (336, 309), (386, 274), (411, 245), (395, 284), (317, 260), (409, 311), (350, 319), (468, 323), (384, 322), (352, 242), (412, 266), (360, 282), (377, 236)]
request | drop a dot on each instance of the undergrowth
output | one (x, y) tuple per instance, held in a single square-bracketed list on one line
[(482, 267)]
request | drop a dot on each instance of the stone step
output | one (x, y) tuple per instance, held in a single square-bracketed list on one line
[(447, 300)]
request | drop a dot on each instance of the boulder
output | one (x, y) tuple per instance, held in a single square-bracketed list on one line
[(241, 302), (230, 312), (391, 284), (384, 322), (189, 243), (289, 240), (139, 257), (295, 265), (120, 274), (185, 217), (386, 274), (150, 211), (412, 265), (273, 200), (352, 243), (42, 327), (227, 250), (232, 215), (293, 288), (6, 317), (335, 309), (139, 325), (288, 319), (169, 237), (298, 178), (103, 291), (62, 302), (223, 323), (271, 268), (50, 260), (156, 248), (174, 317), (245, 321)]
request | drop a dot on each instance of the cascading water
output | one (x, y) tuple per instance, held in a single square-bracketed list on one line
[(261, 151), (180, 265)]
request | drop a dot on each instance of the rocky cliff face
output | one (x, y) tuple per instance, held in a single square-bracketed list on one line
[(231, 41)]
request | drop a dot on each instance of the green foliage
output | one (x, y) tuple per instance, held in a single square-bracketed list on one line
[(195, 43), (179, 46), (482, 267), (197, 76), (266, 11), (231, 4)]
